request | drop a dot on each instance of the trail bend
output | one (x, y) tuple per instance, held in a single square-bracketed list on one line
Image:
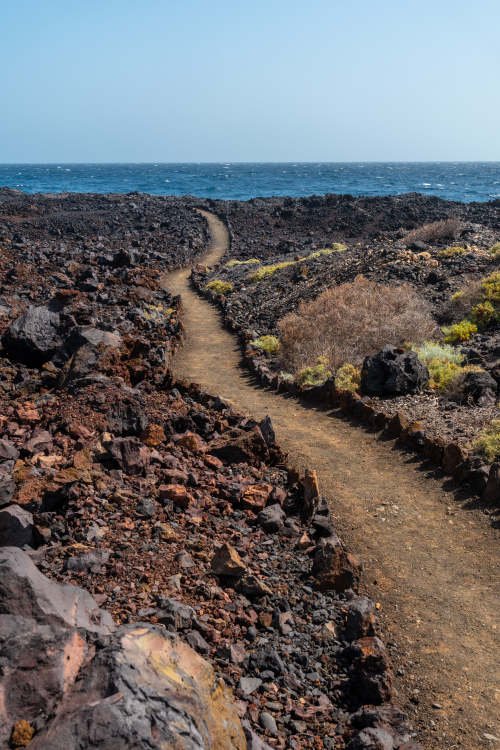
[(432, 565)]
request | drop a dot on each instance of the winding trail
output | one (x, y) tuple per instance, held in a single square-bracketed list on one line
[(432, 565)]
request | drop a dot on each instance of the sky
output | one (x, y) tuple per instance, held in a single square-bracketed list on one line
[(267, 80)]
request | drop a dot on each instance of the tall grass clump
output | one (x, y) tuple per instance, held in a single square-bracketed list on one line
[(436, 231), (351, 321)]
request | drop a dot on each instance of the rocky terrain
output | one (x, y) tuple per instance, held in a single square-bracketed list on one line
[(301, 247), (232, 614)]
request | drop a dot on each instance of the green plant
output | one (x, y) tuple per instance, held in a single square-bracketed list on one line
[(220, 287), (459, 332), (314, 375), (348, 378), (336, 247), (491, 287), (268, 344), (484, 314), (249, 262), (488, 442), (451, 252), (495, 250), (264, 271), (432, 350)]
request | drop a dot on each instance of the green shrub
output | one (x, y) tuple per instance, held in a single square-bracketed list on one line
[(264, 271), (268, 344), (348, 378), (451, 252), (315, 375), (488, 442), (443, 362), (337, 247), (220, 287), (495, 250), (249, 262), (490, 287), (459, 332), (483, 314)]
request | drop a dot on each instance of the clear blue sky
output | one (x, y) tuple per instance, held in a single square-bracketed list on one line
[(266, 80)]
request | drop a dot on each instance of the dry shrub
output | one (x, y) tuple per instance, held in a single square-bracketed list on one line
[(447, 229), (351, 321)]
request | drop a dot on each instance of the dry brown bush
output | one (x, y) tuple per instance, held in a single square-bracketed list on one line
[(351, 321), (447, 229)]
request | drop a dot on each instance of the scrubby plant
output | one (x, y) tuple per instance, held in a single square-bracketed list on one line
[(483, 314), (488, 442), (490, 287), (249, 262), (220, 287), (268, 344), (443, 361), (265, 271), (447, 229), (350, 321), (460, 332), (336, 247), (348, 378), (495, 250), (451, 252), (157, 312), (314, 374)]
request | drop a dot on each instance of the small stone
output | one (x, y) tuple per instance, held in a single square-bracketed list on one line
[(249, 685), (268, 723), (227, 562)]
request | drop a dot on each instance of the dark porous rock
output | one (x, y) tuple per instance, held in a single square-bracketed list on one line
[(7, 483), (272, 518), (94, 337), (87, 562), (393, 372), (370, 676), (253, 587), (360, 618), (129, 454), (127, 417), (477, 388), (16, 527), (491, 492), (381, 727), (34, 337), (175, 615), (473, 472), (333, 568)]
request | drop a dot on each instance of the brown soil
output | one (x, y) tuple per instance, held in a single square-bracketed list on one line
[(431, 564)]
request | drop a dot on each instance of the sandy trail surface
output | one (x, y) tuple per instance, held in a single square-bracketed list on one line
[(431, 564)]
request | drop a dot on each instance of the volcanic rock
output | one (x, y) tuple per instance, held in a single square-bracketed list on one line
[(393, 372), (34, 337), (16, 527), (227, 562)]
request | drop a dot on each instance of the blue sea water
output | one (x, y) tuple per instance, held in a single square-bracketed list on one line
[(461, 181)]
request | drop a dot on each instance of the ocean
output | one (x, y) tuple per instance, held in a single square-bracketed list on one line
[(460, 181)]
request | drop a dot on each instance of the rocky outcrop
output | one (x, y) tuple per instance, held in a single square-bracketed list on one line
[(71, 680)]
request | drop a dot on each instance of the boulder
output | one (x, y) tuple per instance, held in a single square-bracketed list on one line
[(491, 492), (16, 527), (26, 592), (129, 454), (477, 388), (272, 518), (393, 372), (34, 337), (333, 568), (127, 417)]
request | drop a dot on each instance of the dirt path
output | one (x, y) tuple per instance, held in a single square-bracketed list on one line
[(433, 566)]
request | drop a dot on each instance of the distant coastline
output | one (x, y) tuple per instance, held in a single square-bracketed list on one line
[(458, 181)]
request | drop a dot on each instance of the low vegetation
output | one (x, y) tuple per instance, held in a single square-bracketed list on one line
[(436, 231), (495, 250), (445, 365), (314, 374), (451, 252), (269, 344), (265, 271), (488, 442), (459, 333), (220, 287), (350, 321), (249, 262), (348, 378)]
